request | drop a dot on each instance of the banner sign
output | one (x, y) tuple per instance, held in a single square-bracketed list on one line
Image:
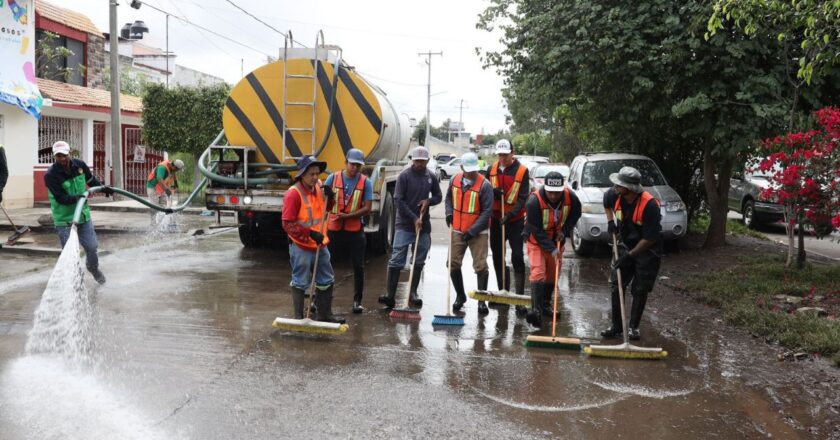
[(18, 85)]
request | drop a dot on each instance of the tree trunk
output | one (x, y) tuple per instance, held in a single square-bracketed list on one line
[(789, 223), (717, 195), (800, 256)]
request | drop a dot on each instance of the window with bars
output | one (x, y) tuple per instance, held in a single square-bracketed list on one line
[(52, 129)]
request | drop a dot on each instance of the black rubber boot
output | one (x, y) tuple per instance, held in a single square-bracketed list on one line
[(391, 283), (616, 330), (297, 302), (519, 283), (413, 298), (97, 275), (548, 300), (324, 299), (482, 279), (358, 291), (639, 301), (537, 291), (458, 283)]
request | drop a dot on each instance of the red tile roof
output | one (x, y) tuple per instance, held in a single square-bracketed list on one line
[(72, 94), (71, 19)]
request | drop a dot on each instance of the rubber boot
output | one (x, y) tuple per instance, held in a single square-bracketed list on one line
[(482, 279), (639, 300), (391, 283), (534, 317), (297, 302), (97, 275), (413, 298), (519, 282), (615, 331), (324, 299), (359, 287), (458, 283), (548, 300)]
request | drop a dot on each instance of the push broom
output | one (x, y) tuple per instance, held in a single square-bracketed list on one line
[(307, 325), (18, 231), (409, 313), (625, 350), (554, 341), (503, 296), (448, 318)]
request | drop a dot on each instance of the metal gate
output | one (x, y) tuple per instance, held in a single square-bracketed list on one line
[(139, 160), (52, 129), (98, 168)]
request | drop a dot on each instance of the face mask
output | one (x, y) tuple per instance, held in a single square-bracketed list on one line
[(467, 182)]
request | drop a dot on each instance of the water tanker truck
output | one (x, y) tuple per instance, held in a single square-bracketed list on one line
[(309, 102)]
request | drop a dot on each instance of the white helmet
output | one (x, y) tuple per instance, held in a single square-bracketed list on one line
[(179, 164)]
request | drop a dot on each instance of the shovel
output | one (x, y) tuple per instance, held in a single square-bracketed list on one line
[(18, 231)]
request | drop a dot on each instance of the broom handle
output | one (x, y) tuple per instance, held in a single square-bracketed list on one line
[(411, 271), (448, 281), (9, 218), (504, 260), (557, 265), (620, 289), (315, 267)]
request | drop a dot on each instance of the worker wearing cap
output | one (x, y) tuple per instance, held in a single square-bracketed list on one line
[(638, 225), (304, 207), (67, 180), (469, 201), (551, 214), (416, 191), (160, 183), (510, 182), (352, 200)]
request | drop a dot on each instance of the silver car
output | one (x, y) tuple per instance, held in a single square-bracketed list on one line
[(589, 178)]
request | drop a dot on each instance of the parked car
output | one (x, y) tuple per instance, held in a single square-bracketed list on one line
[(539, 172), (745, 196), (444, 157), (589, 178), (449, 169)]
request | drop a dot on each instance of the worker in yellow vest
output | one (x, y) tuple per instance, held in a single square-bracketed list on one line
[(638, 226), (352, 201), (468, 204), (161, 182), (550, 215), (304, 206)]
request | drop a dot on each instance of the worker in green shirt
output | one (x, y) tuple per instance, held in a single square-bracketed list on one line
[(161, 182)]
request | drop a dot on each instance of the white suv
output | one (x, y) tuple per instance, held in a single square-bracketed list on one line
[(589, 178)]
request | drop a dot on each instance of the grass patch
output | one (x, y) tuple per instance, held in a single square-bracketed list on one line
[(746, 295), (700, 224)]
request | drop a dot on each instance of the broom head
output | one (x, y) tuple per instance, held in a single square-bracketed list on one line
[(448, 320), (307, 325), (553, 342), (626, 351), (19, 233), (407, 314), (502, 297)]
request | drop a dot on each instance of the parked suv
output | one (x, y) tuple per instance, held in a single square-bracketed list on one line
[(745, 196), (589, 178)]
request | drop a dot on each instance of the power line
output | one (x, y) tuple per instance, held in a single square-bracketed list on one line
[(187, 21), (262, 22)]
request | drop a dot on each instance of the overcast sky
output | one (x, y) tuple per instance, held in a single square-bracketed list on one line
[(380, 38)]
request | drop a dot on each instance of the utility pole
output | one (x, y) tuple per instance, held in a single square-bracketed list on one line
[(428, 56), (167, 51), (461, 118), (116, 138)]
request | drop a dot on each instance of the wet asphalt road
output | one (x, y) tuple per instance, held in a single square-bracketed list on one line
[(185, 349)]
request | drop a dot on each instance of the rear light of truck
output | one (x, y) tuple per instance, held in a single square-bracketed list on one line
[(234, 199), (220, 199)]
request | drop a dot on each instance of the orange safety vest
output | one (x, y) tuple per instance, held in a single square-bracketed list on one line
[(511, 194), (311, 215), (551, 224), (170, 176), (466, 206), (641, 203), (351, 224)]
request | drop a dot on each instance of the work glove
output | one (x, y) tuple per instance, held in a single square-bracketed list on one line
[(498, 193), (623, 261), (328, 192), (168, 192), (108, 191), (611, 228), (561, 239), (506, 219), (448, 220), (317, 236), (466, 236), (555, 253)]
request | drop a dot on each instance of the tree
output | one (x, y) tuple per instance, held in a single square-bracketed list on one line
[(438, 132), (642, 77), (50, 59), (803, 169), (183, 119), (813, 25), (130, 84)]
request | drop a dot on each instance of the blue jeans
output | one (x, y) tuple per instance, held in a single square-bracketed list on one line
[(87, 238), (302, 261), (404, 239)]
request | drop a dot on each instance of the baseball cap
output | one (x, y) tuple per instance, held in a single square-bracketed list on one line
[(355, 155), (469, 162), (553, 182), (419, 153), (503, 147), (60, 147)]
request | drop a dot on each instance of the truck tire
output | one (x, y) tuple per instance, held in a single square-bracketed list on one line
[(380, 241), (748, 215), (248, 231), (583, 248)]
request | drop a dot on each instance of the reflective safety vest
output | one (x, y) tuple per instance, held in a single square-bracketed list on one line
[(641, 203), (466, 206), (339, 206), (511, 193), (170, 176), (551, 224), (310, 214)]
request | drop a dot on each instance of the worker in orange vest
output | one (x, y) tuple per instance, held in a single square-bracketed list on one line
[(551, 214), (469, 201), (304, 206), (160, 183), (352, 201), (638, 226), (510, 182)]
